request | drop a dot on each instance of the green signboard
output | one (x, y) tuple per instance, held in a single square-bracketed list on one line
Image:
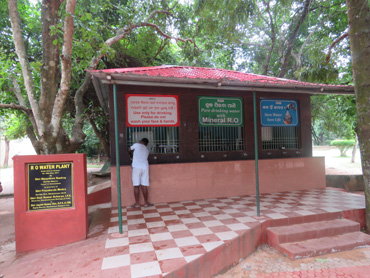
[(220, 111)]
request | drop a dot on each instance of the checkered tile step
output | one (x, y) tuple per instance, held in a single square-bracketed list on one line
[(160, 239)]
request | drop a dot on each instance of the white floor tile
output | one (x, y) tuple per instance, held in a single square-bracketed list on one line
[(141, 247), (170, 253), (227, 200), (276, 215), (140, 232), (226, 235), (164, 209), (151, 215), (134, 212), (135, 221), (212, 245), (245, 219), (330, 209), (304, 212), (170, 217), (201, 214), (231, 211), (220, 204), (186, 241), (161, 236), (180, 212), (222, 216), (213, 223), (155, 224), (192, 258), (117, 242), (145, 269), (116, 261), (201, 231), (237, 227), (193, 207), (178, 227), (211, 209), (190, 220)]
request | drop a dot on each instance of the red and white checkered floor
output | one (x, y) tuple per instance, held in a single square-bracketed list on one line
[(162, 238)]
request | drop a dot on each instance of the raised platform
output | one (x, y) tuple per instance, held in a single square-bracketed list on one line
[(177, 182), (203, 237)]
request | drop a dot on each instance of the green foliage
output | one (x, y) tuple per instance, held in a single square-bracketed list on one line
[(14, 126), (91, 145), (333, 117), (343, 145)]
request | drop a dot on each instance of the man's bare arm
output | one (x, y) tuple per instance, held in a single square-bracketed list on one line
[(130, 153)]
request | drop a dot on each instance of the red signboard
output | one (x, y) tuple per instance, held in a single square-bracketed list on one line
[(152, 110)]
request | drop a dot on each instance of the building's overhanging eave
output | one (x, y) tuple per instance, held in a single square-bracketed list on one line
[(222, 84)]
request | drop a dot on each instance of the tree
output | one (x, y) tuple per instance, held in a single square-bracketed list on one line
[(72, 40), (358, 12), (289, 39)]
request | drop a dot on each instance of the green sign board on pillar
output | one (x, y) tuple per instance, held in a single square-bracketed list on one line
[(220, 111)]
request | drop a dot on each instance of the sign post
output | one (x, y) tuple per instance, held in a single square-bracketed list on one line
[(256, 152), (50, 185), (152, 110), (275, 112), (220, 111), (118, 163), (50, 206)]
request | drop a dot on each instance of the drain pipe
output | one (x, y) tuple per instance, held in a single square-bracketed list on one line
[(256, 153), (117, 158)]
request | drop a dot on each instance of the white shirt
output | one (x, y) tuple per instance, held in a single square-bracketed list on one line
[(140, 159)]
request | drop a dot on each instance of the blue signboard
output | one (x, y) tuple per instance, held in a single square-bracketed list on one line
[(277, 112)]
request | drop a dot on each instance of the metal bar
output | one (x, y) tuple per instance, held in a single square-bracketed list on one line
[(256, 153), (117, 158), (239, 86)]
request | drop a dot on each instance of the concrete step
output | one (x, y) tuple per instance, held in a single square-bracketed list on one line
[(324, 245), (305, 231)]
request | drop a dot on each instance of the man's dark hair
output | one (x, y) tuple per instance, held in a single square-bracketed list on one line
[(145, 141)]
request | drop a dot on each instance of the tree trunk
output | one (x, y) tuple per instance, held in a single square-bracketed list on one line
[(50, 57), (359, 35), (104, 143), (7, 148), (354, 150), (273, 39), (99, 153), (292, 37)]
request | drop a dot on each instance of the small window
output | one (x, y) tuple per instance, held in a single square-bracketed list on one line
[(221, 138), (280, 137), (161, 139)]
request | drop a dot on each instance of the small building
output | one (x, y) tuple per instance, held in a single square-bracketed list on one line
[(201, 125)]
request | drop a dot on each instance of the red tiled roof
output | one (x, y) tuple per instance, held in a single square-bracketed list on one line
[(185, 73)]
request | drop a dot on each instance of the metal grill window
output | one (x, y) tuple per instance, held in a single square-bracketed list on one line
[(221, 138), (281, 137), (161, 139)]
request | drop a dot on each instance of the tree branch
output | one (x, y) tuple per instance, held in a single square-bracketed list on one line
[(165, 43), (153, 13), (15, 107), (77, 134), (18, 94), (20, 49), (342, 37), (65, 82), (273, 38), (292, 37)]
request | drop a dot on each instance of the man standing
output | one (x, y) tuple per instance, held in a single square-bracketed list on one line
[(140, 170)]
